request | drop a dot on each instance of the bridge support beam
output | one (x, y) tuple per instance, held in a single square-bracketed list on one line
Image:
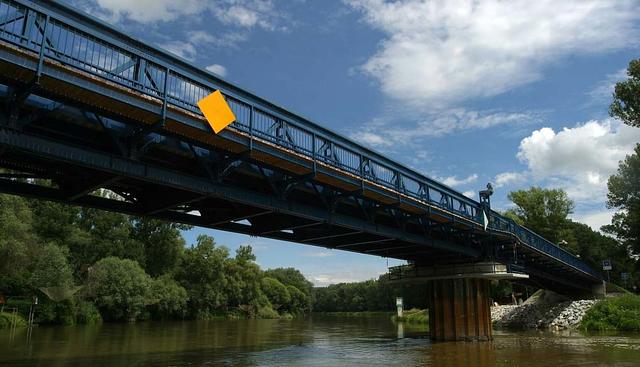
[(459, 309)]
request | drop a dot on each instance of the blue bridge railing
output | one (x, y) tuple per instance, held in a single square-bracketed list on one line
[(58, 33)]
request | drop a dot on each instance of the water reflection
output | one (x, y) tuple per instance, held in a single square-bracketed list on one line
[(454, 354), (321, 341)]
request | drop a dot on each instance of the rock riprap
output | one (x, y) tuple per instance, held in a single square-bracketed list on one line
[(564, 315)]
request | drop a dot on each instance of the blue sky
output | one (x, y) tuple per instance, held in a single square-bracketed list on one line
[(469, 92)]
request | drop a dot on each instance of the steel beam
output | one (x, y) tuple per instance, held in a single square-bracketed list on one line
[(330, 236), (50, 150), (359, 243)]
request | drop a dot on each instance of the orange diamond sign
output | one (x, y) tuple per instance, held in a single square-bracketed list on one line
[(216, 111)]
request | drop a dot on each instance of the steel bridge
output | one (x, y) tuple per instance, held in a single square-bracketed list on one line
[(86, 107)]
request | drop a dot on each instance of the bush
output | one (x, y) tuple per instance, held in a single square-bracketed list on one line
[(57, 313), (87, 313), (266, 312), (298, 300), (120, 288), (8, 319), (614, 314), (276, 292), (170, 299)]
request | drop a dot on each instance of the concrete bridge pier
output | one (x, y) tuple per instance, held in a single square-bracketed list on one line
[(459, 309)]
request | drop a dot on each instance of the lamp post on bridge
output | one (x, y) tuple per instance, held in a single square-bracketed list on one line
[(485, 196), (485, 204)]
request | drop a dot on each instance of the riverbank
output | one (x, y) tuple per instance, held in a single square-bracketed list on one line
[(355, 313), (618, 313), (412, 316)]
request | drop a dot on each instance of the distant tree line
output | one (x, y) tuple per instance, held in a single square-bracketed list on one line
[(370, 295), (86, 265)]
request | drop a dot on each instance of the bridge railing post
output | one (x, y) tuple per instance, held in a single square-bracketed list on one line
[(313, 154), (43, 45), (251, 113), (165, 95), (361, 170)]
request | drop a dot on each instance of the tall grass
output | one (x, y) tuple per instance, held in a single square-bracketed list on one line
[(7, 320), (614, 314)]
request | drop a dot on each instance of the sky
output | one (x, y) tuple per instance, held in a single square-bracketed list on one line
[(468, 92)]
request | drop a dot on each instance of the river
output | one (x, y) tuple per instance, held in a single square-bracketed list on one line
[(317, 341)]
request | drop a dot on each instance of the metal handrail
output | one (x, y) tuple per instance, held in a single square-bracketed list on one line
[(60, 33)]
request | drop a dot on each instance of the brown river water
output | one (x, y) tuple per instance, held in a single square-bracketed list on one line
[(316, 341)]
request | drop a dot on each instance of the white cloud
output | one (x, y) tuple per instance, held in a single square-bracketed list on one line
[(506, 178), (238, 13), (595, 219), (384, 132), (578, 159), (145, 11), (217, 69), (470, 194), (440, 52), (248, 13), (203, 38), (453, 181), (319, 254), (371, 138), (185, 50)]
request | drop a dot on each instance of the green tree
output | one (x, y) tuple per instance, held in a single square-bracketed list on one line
[(17, 240), (202, 273), (169, 298), (298, 302), (120, 288), (624, 195), (56, 223), (276, 292), (626, 98), (544, 211), (593, 247), (291, 276), (112, 234), (370, 295), (163, 244), (244, 254), (244, 281), (51, 268)]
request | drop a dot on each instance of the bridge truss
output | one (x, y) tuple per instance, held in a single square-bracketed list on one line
[(86, 107)]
